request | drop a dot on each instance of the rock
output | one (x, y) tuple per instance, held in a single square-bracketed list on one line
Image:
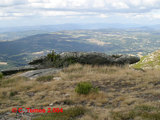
[(19, 69), (125, 59), (51, 104), (66, 58), (100, 58), (57, 78), (37, 73), (30, 94), (93, 58), (37, 61), (66, 95), (150, 61)]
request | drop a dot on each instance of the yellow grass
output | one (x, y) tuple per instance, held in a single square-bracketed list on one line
[(120, 89)]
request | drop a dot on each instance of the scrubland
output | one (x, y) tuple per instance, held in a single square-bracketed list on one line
[(121, 93)]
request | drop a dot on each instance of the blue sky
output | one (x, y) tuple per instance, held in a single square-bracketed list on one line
[(43, 12)]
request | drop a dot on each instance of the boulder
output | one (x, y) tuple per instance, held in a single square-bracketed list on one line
[(38, 73)]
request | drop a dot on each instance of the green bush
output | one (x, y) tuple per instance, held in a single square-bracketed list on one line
[(84, 88), (1, 75), (53, 56), (56, 61)]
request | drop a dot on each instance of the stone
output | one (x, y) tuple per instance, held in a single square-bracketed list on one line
[(92, 58), (19, 69), (38, 73), (100, 58)]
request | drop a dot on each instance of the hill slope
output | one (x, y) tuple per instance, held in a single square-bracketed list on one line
[(121, 94), (150, 61)]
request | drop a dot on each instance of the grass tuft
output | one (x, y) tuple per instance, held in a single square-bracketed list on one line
[(45, 78), (68, 114), (144, 112)]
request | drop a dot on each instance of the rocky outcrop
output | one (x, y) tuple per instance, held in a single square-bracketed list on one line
[(38, 73), (19, 69), (92, 58), (100, 58), (37, 61), (66, 58), (150, 61)]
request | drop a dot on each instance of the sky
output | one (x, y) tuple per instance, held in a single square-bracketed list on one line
[(50, 12)]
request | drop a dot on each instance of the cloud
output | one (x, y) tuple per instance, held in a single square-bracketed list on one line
[(66, 8)]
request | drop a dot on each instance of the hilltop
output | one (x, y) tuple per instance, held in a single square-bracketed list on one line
[(83, 91)]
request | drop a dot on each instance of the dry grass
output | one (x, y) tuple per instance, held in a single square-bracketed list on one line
[(121, 90)]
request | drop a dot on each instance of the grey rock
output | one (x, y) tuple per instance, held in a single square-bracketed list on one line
[(37, 73), (67, 58), (100, 58), (92, 58), (30, 94), (37, 60), (19, 69)]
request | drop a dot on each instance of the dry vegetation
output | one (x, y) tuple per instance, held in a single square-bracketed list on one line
[(124, 93)]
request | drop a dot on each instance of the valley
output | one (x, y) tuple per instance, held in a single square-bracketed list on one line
[(19, 52)]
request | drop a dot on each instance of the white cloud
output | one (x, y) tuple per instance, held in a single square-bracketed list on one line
[(101, 8), (103, 15)]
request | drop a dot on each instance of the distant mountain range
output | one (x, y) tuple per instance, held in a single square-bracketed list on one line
[(90, 26)]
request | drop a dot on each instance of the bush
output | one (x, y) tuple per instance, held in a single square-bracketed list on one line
[(56, 61), (1, 75), (83, 88), (13, 93), (53, 56)]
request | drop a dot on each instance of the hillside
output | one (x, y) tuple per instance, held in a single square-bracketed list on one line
[(150, 61), (118, 93), (111, 41)]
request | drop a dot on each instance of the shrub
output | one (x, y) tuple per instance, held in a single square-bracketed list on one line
[(56, 61), (53, 56), (13, 93), (1, 75), (83, 88)]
